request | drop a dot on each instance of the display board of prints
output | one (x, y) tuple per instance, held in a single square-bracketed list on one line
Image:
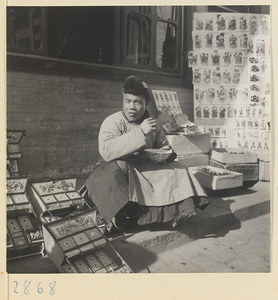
[(167, 102), (230, 63)]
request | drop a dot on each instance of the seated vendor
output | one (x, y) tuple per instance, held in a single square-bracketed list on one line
[(129, 189)]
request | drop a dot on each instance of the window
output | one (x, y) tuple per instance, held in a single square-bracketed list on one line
[(84, 34), (26, 29), (152, 38), (166, 37), (138, 40)]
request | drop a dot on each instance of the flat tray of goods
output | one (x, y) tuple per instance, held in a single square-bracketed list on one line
[(216, 178), (250, 171), (233, 155)]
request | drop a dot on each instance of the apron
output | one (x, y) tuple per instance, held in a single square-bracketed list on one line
[(150, 193)]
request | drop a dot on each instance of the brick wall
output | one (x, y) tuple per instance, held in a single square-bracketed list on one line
[(62, 115)]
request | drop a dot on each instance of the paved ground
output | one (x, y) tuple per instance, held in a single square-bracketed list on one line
[(246, 249), (242, 250)]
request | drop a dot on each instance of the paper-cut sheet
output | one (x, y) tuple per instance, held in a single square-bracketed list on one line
[(221, 58), (205, 94), (218, 75), (231, 22)]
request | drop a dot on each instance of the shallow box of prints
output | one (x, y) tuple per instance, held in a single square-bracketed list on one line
[(24, 234), (194, 160), (216, 178), (53, 199), (76, 245), (250, 171), (190, 144), (14, 137), (233, 155)]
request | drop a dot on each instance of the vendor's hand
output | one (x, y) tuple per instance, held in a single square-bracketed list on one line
[(148, 125)]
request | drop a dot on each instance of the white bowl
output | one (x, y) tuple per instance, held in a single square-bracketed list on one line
[(157, 155)]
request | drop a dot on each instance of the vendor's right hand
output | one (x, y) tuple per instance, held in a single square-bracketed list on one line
[(148, 125)]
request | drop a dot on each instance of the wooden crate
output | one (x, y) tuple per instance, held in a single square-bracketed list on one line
[(24, 233), (264, 166), (265, 156), (216, 178), (264, 174), (250, 171), (76, 245), (53, 199), (13, 152), (233, 155), (15, 136)]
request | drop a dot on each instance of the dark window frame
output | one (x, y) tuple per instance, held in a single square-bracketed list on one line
[(154, 18), (42, 50)]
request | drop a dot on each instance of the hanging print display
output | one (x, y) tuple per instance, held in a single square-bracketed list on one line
[(231, 76)]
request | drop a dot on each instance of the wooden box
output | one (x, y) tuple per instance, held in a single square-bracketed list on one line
[(264, 156), (12, 168), (75, 244), (17, 198), (15, 136), (54, 199), (264, 173), (194, 160), (264, 166), (233, 155), (250, 171), (190, 144), (13, 152), (24, 234), (216, 178)]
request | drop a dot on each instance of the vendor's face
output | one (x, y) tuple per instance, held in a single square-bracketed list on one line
[(133, 107)]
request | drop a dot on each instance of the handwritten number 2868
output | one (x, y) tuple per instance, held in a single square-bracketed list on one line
[(39, 288)]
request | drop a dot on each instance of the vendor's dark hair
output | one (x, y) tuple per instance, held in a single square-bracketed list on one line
[(135, 86)]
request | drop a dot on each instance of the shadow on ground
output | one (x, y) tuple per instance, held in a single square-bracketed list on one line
[(216, 220), (139, 258), (230, 192), (34, 264)]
